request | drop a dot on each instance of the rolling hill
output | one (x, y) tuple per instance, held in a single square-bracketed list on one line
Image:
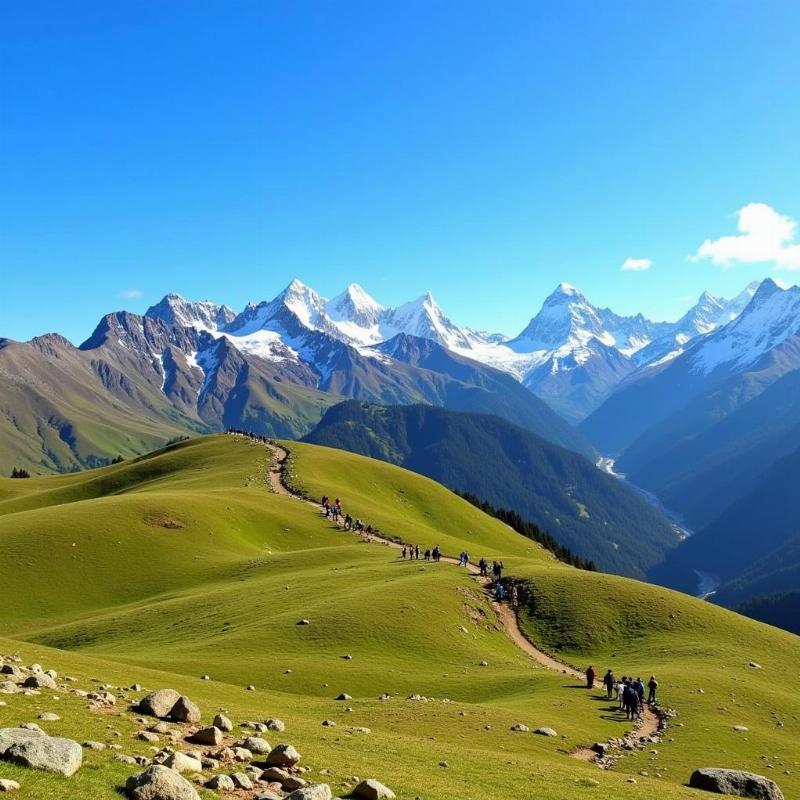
[(163, 568), (592, 513)]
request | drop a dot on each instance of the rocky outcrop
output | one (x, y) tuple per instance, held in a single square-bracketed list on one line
[(160, 783)]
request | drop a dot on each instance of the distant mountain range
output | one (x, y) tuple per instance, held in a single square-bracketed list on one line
[(595, 515)]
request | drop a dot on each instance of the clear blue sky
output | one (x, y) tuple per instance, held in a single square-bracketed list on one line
[(482, 150)]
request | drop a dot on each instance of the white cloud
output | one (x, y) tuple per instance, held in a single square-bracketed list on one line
[(764, 235), (636, 264), (131, 294)]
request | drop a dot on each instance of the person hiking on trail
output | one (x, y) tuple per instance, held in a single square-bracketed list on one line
[(436, 553), (639, 686), (495, 570), (590, 676), (499, 591), (608, 682), (513, 595), (416, 552), (466, 558), (623, 684), (482, 565), (500, 569), (324, 501), (652, 686), (428, 555), (404, 552)]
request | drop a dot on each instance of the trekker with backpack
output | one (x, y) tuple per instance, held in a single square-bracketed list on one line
[(590, 676), (652, 686), (608, 682)]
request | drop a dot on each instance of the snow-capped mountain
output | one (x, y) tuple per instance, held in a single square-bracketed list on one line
[(203, 315), (706, 315)]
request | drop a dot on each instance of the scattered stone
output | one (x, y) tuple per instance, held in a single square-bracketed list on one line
[(303, 622), (8, 785), (284, 755), (160, 783), (241, 780), (343, 696), (328, 723), (123, 759), (183, 762), (49, 716), (159, 703), (741, 728), (205, 678), (11, 669), (90, 745), (185, 710), (222, 783), (371, 789), (320, 791), (160, 727), (275, 725), (147, 736), (223, 723), (520, 728), (250, 687), (735, 782), (257, 745), (48, 753), (39, 681), (211, 735), (483, 664), (545, 732), (754, 665)]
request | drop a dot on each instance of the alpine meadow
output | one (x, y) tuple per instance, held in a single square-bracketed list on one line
[(399, 401)]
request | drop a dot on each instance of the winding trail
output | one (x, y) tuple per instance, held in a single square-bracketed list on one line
[(646, 727)]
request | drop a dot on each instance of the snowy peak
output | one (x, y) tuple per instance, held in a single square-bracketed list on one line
[(303, 302), (354, 307), (423, 318), (205, 315), (770, 318)]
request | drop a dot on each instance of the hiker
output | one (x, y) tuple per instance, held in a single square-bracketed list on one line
[(465, 561), (590, 676), (652, 686), (500, 569), (513, 595), (437, 554), (608, 682), (416, 552), (404, 552), (483, 566), (623, 683), (499, 591), (428, 555), (639, 686)]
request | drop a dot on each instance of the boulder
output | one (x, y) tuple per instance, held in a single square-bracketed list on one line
[(160, 783), (319, 791), (11, 669), (8, 785), (159, 703), (242, 780), (48, 753), (12, 736), (8, 687), (520, 728), (211, 735), (39, 681), (284, 755), (185, 710), (48, 716), (182, 762), (92, 745), (257, 745), (736, 783), (545, 732), (275, 725), (371, 789), (221, 783), (343, 696), (223, 723)]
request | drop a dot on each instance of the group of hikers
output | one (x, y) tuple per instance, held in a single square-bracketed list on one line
[(333, 510), (627, 691)]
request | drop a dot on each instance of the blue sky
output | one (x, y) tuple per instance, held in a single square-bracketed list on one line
[(482, 150)]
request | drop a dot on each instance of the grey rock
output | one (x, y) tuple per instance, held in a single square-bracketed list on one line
[(159, 703), (222, 783), (39, 681), (736, 783), (48, 753), (8, 785), (284, 755), (545, 732), (242, 780), (371, 789), (185, 710), (160, 783), (223, 723), (257, 745), (319, 791), (211, 735), (275, 725)]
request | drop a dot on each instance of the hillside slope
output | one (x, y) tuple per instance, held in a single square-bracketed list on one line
[(181, 563), (592, 513)]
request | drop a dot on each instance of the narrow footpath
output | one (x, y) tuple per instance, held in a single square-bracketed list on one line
[(506, 616)]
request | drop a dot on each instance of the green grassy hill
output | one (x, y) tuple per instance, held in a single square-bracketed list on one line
[(595, 515), (182, 563)]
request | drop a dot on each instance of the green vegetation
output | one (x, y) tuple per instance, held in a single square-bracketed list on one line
[(590, 513), (163, 568)]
